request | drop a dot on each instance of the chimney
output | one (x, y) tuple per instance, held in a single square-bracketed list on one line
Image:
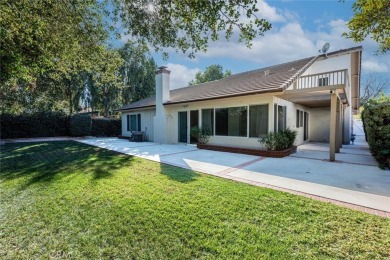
[(162, 85)]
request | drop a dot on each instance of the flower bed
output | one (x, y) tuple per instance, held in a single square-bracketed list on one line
[(265, 153)]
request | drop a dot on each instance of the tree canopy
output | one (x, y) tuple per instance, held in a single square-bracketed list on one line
[(212, 72), (36, 36), (55, 53), (371, 18), (189, 25)]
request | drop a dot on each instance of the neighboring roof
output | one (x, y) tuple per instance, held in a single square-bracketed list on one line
[(270, 79), (143, 103)]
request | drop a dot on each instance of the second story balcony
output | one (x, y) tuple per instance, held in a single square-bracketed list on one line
[(338, 78), (314, 90)]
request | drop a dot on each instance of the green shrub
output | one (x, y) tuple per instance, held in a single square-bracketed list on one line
[(39, 124), (376, 121), (106, 127), (202, 135), (80, 125), (277, 141)]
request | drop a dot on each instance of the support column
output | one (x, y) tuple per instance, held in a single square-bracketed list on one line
[(338, 127), (332, 137), (341, 124)]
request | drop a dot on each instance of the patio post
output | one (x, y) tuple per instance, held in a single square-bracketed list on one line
[(338, 133), (333, 129)]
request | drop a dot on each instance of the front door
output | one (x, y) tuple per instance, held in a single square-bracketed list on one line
[(306, 127), (183, 127), (194, 121)]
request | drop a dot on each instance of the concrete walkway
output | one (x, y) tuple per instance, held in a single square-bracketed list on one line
[(354, 181)]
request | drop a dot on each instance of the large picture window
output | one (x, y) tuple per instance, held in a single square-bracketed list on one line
[(208, 120), (231, 121), (258, 120)]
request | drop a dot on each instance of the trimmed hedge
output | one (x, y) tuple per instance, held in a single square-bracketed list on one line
[(51, 124), (105, 127), (80, 125), (40, 124), (376, 122)]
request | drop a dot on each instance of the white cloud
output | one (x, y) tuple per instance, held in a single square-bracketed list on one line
[(269, 13), (180, 75), (375, 66)]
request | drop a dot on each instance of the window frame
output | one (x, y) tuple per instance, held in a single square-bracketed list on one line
[(137, 121), (212, 119), (246, 118), (249, 119)]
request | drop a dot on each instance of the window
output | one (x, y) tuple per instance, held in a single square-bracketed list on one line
[(258, 120), (280, 118), (297, 119), (323, 81), (135, 122), (231, 121), (300, 118), (208, 120), (299, 122), (128, 122)]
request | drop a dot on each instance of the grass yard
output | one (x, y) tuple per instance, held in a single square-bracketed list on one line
[(69, 200)]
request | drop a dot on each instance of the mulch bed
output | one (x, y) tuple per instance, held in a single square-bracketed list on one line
[(258, 152)]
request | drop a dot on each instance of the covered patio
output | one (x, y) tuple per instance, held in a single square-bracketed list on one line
[(334, 91)]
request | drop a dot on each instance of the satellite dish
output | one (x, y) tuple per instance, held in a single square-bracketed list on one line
[(325, 49)]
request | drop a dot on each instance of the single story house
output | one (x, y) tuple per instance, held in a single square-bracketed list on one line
[(316, 96)]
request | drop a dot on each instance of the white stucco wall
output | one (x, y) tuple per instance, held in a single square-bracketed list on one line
[(292, 117), (320, 123), (147, 116)]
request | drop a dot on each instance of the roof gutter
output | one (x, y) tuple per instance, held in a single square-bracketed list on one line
[(223, 97)]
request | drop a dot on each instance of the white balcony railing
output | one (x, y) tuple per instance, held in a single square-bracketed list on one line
[(332, 78)]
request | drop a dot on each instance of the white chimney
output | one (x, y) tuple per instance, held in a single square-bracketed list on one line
[(162, 119), (162, 85)]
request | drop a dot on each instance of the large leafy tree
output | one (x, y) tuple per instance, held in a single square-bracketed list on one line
[(106, 84), (36, 36), (371, 18), (137, 72), (212, 72)]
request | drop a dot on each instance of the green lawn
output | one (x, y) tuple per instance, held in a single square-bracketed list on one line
[(64, 199)]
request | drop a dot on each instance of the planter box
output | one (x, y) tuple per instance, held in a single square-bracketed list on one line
[(265, 153)]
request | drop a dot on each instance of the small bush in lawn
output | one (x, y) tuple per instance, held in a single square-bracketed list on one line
[(277, 141)]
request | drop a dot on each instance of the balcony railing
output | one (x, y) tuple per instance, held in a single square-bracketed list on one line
[(332, 78)]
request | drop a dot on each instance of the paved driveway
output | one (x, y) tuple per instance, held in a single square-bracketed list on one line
[(356, 182)]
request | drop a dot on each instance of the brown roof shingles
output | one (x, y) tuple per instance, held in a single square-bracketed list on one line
[(246, 83)]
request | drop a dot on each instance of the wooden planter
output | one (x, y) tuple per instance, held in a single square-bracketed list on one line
[(264, 153)]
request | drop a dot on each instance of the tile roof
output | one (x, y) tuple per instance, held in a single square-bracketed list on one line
[(268, 79)]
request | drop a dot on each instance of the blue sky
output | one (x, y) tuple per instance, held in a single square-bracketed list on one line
[(300, 29)]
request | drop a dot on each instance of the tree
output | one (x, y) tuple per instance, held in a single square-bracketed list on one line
[(189, 25), (37, 36), (371, 17), (373, 86), (106, 82), (137, 73), (212, 72)]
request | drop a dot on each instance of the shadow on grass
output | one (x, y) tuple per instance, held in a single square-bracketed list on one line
[(49, 161), (178, 174)]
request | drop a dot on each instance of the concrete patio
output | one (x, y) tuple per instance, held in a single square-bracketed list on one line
[(354, 178)]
